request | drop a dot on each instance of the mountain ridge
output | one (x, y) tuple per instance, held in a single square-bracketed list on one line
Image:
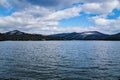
[(14, 32), (87, 35)]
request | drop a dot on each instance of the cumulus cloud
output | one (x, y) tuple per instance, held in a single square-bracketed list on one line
[(107, 25), (65, 14), (51, 4), (37, 18), (102, 21), (44, 15), (100, 8)]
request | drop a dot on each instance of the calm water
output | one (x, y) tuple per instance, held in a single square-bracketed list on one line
[(60, 60)]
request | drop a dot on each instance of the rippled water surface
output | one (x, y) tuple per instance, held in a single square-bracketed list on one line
[(60, 60)]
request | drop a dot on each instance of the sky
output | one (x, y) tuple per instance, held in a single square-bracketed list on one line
[(60, 16)]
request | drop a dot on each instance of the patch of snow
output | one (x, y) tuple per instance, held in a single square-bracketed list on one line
[(87, 33), (15, 32)]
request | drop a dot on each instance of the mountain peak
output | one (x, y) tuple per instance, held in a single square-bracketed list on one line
[(14, 32), (74, 33)]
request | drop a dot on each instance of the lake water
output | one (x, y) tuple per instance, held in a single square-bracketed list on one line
[(60, 60)]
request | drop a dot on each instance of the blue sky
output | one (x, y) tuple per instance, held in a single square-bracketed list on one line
[(60, 16)]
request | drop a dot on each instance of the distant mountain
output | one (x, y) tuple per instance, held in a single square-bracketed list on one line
[(15, 32), (18, 35), (1, 37), (60, 35), (93, 35), (114, 37), (89, 35)]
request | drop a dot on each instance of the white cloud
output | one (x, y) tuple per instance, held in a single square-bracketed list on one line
[(51, 4), (44, 18), (102, 21), (107, 25), (118, 6), (100, 8), (65, 14), (37, 18)]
